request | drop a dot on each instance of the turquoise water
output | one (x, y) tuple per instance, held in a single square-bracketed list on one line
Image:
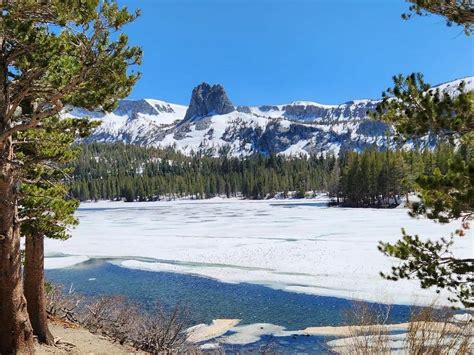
[(208, 299)]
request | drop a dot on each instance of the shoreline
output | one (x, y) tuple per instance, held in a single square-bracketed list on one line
[(245, 315), (152, 265), (322, 198), (229, 332)]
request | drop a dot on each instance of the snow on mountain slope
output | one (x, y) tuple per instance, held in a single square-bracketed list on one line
[(211, 125), (451, 87), (133, 120), (306, 111)]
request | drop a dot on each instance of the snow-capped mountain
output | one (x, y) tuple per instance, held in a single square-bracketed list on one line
[(212, 125)]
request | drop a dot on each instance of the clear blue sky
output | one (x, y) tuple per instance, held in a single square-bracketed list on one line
[(278, 51)]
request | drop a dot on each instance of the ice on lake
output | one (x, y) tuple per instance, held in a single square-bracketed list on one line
[(297, 246)]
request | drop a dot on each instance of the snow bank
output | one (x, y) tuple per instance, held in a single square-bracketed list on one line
[(62, 262)]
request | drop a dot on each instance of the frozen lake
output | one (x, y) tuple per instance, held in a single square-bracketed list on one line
[(296, 246)]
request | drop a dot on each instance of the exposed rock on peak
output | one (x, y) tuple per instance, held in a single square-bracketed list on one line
[(144, 106), (208, 100), (130, 107)]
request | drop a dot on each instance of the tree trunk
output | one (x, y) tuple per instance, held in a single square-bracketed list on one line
[(34, 288), (16, 335)]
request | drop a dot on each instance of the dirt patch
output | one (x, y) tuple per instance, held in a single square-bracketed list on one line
[(72, 339)]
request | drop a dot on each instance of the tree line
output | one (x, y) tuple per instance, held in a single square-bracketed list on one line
[(371, 178)]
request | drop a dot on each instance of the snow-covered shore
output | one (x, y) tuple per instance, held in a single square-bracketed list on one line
[(229, 331), (294, 245)]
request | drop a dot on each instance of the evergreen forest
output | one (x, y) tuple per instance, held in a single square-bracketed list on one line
[(370, 178)]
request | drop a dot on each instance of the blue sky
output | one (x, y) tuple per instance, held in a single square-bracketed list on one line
[(278, 51)]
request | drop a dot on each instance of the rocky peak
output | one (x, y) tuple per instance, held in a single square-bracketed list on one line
[(208, 100)]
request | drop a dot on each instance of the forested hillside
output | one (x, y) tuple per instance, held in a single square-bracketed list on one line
[(372, 178)]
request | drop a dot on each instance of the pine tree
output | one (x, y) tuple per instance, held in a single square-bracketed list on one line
[(446, 188), (53, 53), (458, 12), (45, 210)]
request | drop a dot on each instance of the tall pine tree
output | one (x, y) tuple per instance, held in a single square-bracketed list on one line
[(53, 53)]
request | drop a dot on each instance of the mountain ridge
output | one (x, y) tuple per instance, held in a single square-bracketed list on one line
[(212, 125)]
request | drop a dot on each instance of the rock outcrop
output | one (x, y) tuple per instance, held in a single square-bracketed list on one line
[(207, 100), (131, 107), (325, 113)]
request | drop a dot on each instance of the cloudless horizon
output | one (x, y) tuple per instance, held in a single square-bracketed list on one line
[(279, 51)]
